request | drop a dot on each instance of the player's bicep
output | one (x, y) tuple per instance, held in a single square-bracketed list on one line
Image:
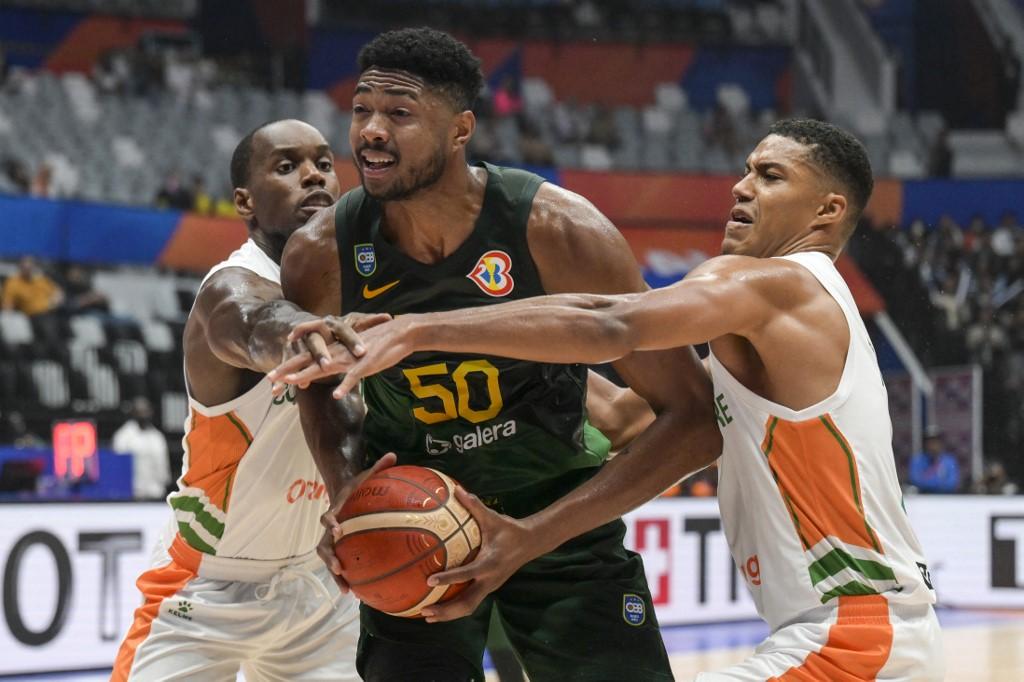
[(227, 308)]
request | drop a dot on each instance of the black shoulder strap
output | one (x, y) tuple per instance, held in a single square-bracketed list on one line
[(351, 231)]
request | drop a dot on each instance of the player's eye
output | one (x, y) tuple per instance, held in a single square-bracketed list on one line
[(358, 109), (326, 166), (401, 113), (285, 167)]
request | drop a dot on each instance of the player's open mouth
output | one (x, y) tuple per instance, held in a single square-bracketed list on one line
[(376, 163), (740, 216), (317, 199)]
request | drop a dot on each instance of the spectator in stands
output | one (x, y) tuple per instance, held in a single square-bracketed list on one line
[(995, 481), (174, 195), (532, 147), (940, 156), (1005, 235), (603, 130), (30, 291), (935, 469), (42, 182), (507, 101), (79, 294), (569, 121), (986, 339), (18, 434), (202, 202), (140, 439), (720, 130), (17, 174), (950, 300)]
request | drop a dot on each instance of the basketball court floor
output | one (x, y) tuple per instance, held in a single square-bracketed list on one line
[(981, 646)]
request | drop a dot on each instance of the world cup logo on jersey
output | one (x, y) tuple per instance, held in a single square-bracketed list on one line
[(493, 273)]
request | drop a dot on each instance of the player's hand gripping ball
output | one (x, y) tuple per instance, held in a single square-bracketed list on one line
[(399, 527)]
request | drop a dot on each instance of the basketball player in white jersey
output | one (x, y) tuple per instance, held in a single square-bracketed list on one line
[(809, 497), (240, 584)]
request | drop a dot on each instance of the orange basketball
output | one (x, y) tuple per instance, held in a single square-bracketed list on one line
[(400, 526)]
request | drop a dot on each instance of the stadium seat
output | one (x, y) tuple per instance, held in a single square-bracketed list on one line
[(51, 384)]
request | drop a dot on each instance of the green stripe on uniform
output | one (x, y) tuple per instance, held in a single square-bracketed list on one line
[(853, 480), (838, 559), (850, 589), (205, 518), (245, 433), (193, 539)]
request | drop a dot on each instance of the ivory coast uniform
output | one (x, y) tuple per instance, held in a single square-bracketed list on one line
[(514, 433), (814, 516), (240, 584)]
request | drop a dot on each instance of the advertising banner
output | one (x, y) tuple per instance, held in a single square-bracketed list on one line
[(69, 571)]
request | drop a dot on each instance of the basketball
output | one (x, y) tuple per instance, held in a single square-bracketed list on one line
[(401, 526)]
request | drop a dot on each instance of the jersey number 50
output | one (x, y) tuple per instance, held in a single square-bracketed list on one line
[(457, 404)]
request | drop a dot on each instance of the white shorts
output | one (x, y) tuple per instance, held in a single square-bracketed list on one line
[(292, 624), (861, 638)]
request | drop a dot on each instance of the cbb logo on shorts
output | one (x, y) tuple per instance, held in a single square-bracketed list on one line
[(366, 259), (634, 610), (493, 273)]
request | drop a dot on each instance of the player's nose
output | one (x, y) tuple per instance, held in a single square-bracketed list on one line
[(312, 176), (743, 190), (375, 129)]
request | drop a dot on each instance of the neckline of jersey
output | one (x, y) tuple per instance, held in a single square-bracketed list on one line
[(455, 258)]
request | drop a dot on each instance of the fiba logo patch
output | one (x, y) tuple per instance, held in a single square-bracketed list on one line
[(493, 273), (634, 611), (366, 259)]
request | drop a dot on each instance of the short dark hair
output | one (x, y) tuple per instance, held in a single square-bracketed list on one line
[(837, 152), (443, 62), (241, 158)]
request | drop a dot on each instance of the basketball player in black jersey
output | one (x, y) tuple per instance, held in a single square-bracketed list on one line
[(427, 231)]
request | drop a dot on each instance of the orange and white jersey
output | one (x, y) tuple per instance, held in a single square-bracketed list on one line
[(810, 502), (249, 488)]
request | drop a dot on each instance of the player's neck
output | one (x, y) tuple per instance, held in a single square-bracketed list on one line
[(808, 243), (272, 245), (432, 224)]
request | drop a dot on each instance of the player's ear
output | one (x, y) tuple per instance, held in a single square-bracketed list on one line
[(465, 124), (831, 211), (243, 203)]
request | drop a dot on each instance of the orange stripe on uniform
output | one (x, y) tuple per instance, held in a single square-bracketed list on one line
[(215, 446), (816, 472), (156, 585), (859, 644)]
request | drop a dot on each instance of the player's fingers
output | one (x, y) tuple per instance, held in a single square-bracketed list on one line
[(293, 364), (326, 551), (350, 382), (460, 607), (307, 375), (363, 321), (388, 460), (484, 515), (347, 337), (317, 348), (303, 328), (474, 570)]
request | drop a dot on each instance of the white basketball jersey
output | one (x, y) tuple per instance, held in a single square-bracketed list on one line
[(810, 502), (249, 487)]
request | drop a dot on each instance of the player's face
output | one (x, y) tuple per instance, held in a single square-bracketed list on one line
[(776, 199), (291, 177), (399, 135)]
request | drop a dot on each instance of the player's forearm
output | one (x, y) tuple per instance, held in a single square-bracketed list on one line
[(567, 328), (257, 336), (671, 448), (334, 434)]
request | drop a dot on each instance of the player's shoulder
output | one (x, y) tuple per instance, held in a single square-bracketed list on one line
[(772, 277), (318, 231), (561, 215)]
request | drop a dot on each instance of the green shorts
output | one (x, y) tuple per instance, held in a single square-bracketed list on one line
[(582, 612)]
